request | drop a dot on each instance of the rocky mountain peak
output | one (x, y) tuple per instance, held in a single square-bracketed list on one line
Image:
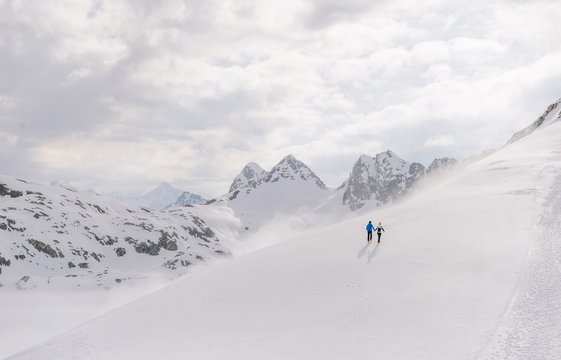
[(250, 177), (382, 178), (290, 168)]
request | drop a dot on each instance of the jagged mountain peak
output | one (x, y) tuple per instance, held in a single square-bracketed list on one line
[(290, 168), (383, 178), (250, 177)]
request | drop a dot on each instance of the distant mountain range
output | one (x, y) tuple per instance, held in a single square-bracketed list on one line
[(54, 234), (162, 197)]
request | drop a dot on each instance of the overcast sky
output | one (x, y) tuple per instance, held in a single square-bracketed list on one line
[(120, 95)]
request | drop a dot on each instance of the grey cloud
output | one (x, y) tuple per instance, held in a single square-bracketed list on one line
[(259, 87), (324, 13)]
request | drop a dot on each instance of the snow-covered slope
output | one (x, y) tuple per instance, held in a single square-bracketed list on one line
[(439, 286), (51, 235), (550, 115), (380, 179)]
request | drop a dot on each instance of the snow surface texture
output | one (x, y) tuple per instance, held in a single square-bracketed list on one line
[(443, 284), (532, 323)]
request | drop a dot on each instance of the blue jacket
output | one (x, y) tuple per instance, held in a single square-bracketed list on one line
[(369, 227)]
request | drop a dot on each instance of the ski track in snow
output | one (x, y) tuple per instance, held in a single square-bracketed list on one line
[(61, 350), (355, 334), (531, 328)]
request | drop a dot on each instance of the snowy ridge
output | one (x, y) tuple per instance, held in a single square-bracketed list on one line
[(52, 235), (552, 113)]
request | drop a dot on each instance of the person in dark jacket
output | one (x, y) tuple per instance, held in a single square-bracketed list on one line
[(369, 229), (379, 230)]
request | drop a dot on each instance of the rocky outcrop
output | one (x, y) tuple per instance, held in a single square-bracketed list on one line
[(147, 248), (44, 248), (381, 179), (120, 251), (552, 113), (6, 191), (166, 242), (442, 164)]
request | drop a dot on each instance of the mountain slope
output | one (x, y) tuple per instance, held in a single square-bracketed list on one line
[(551, 114), (435, 288), (53, 235)]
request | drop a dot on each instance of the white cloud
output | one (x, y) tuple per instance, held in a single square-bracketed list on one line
[(189, 91), (440, 141)]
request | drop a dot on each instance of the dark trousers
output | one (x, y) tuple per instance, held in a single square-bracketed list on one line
[(379, 235), (369, 237)]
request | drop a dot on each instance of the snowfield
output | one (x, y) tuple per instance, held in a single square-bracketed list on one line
[(469, 268)]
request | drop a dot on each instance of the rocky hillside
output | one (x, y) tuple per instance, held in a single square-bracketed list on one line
[(552, 113), (380, 179), (442, 164), (50, 234)]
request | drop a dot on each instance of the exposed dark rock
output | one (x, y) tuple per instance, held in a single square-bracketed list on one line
[(6, 191), (204, 233), (96, 256), (166, 242), (120, 251), (234, 195), (223, 253), (71, 265), (84, 265), (44, 248), (147, 248)]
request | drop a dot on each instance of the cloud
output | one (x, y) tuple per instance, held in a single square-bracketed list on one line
[(122, 94), (440, 141)]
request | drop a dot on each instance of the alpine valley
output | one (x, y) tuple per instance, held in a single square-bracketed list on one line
[(451, 265)]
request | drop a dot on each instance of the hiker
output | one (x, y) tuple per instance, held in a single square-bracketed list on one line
[(369, 228), (379, 230)]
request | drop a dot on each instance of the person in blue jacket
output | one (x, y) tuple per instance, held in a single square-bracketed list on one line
[(369, 229)]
